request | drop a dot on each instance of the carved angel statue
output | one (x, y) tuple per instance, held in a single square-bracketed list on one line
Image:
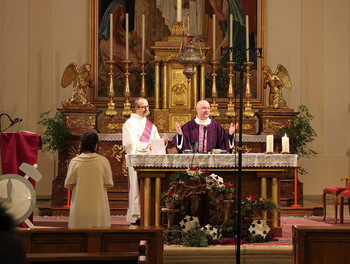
[(276, 81), (81, 79)]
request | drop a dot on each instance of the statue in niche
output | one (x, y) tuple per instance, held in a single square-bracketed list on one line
[(81, 79), (276, 80)]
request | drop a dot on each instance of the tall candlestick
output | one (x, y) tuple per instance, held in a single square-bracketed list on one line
[(179, 10), (143, 37), (111, 37), (231, 37), (126, 36), (247, 35), (214, 37), (269, 144), (285, 144)]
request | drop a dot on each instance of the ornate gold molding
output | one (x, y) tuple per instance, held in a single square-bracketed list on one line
[(90, 123), (268, 124), (118, 153)]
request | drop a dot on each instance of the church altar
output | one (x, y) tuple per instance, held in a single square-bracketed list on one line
[(260, 170)]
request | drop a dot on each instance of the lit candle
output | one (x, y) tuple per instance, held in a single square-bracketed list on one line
[(269, 144), (285, 144), (231, 37), (143, 37), (126, 36), (214, 37), (111, 37), (247, 35), (179, 11)]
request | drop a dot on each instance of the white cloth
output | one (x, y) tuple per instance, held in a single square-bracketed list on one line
[(132, 131), (88, 177)]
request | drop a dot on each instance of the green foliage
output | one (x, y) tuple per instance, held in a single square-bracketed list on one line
[(228, 229), (56, 134), (300, 133), (196, 237), (255, 203), (173, 235), (259, 238)]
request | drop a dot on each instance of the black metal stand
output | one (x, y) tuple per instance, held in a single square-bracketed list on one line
[(240, 56)]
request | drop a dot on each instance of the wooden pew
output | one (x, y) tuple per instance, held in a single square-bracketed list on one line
[(105, 244), (321, 244)]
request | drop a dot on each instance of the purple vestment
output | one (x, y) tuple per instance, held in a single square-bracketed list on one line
[(217, 137)]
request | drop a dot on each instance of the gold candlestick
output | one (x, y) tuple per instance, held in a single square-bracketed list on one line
[(230, 112), (143, 81), (214, 112), (126, 110), (111, 112), (248, 112)]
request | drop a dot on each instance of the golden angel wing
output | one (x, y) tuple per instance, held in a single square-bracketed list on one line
[(70, 75), (283, 75)]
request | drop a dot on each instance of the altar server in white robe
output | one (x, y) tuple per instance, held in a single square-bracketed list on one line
[(137, 133), (89, 175)]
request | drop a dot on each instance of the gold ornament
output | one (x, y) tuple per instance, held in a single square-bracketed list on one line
[(276, 81)]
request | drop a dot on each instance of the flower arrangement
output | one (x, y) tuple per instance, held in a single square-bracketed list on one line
[(171, 199), (256, 203), (227, 188)]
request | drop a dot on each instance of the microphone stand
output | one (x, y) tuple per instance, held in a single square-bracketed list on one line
[(204, 131)]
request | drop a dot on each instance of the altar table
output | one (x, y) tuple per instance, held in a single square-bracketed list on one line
[(153, 167)]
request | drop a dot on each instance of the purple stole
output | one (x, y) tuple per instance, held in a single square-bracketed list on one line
[(147, 131), (202, 148)]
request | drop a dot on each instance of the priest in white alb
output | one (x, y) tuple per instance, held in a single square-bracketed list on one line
[(138, 130)]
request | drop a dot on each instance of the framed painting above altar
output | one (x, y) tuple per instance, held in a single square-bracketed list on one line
[(159, 18)]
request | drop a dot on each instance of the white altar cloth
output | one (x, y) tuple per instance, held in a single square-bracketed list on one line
[(249, 160)]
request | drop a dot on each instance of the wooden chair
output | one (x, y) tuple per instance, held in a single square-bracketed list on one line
[(344, 194), (335, 191)]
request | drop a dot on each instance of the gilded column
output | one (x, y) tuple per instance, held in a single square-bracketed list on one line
[(147, 202), (157, 202), (202, 87), (274, 194), (156, 84), (164, 85)]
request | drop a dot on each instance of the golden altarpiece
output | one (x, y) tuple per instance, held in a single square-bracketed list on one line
[(174, 101)]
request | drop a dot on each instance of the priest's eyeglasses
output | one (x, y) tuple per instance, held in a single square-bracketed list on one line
[(143, 107)]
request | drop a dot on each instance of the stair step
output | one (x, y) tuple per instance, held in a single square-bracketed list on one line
[(113, 193)]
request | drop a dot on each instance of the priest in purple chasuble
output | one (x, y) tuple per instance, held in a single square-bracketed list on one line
[(137, 133), (208, 133)]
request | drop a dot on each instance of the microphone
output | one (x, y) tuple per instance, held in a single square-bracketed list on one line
[(204, 131)]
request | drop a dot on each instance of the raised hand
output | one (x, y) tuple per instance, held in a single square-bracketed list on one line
[(232, 128), (178, 129)]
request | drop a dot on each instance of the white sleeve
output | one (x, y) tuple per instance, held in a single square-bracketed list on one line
[(130, 138)]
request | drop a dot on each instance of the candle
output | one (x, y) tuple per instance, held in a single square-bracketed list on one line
[(126, 36), (179, 10), (111, 37), (285, 144), (247, 35), (214, 37), (143, 37), (188, 25), (269, 144), (231, 37)]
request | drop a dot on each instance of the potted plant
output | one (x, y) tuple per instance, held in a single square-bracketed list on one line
[(56, 133), (227, 191), (254, 205), (300, 133)]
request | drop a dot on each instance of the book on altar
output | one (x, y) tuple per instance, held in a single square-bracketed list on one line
[(158, 146)]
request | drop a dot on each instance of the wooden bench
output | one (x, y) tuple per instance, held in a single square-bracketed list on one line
[(118, 244)]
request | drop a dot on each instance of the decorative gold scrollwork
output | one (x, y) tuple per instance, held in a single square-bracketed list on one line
[(268, 124), (118, 153), (112, 126), (245, 149), (78, 123)]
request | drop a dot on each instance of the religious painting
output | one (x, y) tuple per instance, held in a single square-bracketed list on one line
[(159, 18)]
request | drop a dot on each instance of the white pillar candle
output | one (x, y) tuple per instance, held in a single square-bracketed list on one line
[(269, 144), (126, 36), (214, 37), (231, 37), (247, 35), (143, 37), (179, 11), (285, 144), (111, 37)]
